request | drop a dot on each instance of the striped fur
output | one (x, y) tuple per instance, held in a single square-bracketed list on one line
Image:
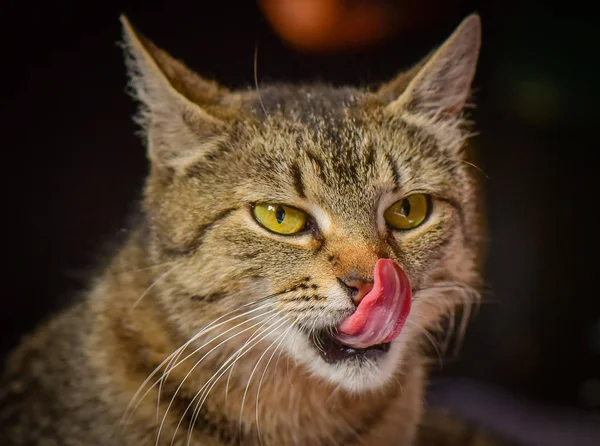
[(124, 366)]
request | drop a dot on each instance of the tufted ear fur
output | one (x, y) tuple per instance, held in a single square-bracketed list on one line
[(439, 85), (179, 111)]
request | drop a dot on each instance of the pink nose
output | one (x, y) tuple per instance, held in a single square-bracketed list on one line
[(362, 289)]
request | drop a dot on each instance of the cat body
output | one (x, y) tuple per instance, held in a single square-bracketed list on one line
[(273, 224)]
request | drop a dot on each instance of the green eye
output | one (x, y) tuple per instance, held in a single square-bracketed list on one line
[(407, 213), (280, 218)]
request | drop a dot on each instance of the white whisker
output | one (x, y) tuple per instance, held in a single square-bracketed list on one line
[(428, 336), (176, 354), (256, 79), (175, 359), (205, 390), (197, 363), (282, 336), (448, 295), (240, 350), (147, 268), (179, 362), (156, 282), (254, 371), (210, 380)]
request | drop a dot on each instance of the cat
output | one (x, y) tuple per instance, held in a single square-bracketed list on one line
[(294, 246)]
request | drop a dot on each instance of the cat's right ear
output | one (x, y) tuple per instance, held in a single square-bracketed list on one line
[(439, 85), (179, 110)]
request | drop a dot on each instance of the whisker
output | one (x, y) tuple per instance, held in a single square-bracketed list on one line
[(179, 362), (428, 336), (172, 361), (223, 369), (170, 366), (312, 335), (277, 347), (176, 354), (147, 268), (156, 282), (291, 346), (241, 349), (464, 321), (198, 363), (287, 362), (434, 291), (463, 296), (476, 167), (449, 330), (256, 79), (210, 380), (254, 371)]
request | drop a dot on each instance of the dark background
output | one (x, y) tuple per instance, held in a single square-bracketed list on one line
[(72, 167)]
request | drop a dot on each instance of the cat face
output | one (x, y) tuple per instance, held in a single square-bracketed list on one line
[(311, 214)]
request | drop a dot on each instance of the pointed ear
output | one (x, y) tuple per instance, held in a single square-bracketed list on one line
[(440, 84), (178, 109), (390, 91)]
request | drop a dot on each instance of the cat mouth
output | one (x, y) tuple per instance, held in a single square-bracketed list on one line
[(333, 351), (377, 320)]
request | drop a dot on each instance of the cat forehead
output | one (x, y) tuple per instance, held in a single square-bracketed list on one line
[(304, 102), (316, 107), (341, 135), (332, 147), (340, 125), (334, 118)]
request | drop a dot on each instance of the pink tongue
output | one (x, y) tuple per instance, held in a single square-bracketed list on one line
[(381, 314)]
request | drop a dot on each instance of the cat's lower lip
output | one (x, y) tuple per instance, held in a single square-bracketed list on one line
[(333, 351)]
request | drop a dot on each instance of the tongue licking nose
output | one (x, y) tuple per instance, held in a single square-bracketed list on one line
[(381, 314)]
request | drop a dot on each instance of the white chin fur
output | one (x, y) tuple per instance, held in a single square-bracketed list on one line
[(354, 376)]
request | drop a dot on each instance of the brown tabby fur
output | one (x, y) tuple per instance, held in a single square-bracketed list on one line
[(341, 154)]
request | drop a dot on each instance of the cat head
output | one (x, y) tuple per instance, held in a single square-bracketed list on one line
[(295, 209)]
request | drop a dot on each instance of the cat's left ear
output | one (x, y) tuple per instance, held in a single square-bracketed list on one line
[(180, 112), (440, 84)]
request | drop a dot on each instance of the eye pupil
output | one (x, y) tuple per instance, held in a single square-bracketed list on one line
[(280, 214), (408, 213), (405, 207), (280, 218)]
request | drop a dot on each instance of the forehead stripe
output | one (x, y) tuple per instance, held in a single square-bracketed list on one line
[(298, 182)]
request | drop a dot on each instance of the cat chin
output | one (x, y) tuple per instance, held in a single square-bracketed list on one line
[(355, 375)]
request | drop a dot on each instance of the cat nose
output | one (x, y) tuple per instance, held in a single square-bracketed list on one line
[(356, 288)]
